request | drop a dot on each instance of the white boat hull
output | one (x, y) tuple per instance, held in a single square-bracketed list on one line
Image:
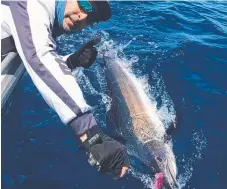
[(12, 70)]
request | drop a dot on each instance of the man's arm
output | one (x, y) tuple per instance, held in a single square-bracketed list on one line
[(50, 74)]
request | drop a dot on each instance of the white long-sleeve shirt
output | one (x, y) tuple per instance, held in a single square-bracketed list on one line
[(31, 25)]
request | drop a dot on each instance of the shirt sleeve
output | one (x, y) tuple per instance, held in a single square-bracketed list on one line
[(32, 35)]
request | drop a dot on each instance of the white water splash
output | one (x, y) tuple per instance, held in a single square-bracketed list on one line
[(199, 142), (87, 86), (100, 73), (84, 82), (144, 178)]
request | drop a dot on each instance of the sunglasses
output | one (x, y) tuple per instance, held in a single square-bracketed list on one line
[(87, 7)]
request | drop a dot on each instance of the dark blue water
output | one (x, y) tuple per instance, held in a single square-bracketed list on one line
[(180, 50)]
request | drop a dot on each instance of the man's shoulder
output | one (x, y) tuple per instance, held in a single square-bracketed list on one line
[(48, 4)]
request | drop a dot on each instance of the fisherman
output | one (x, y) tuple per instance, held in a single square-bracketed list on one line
[(33, 27)]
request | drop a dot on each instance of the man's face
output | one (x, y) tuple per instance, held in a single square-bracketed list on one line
[(74, 17)]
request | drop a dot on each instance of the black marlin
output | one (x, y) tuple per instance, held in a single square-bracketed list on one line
[(138, 122)]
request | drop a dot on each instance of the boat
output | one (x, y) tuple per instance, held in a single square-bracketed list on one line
[(12, 70)]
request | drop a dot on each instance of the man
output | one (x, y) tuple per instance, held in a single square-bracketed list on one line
[(32, 26)]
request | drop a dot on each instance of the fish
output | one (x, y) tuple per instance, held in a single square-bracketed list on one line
[(136, 120)]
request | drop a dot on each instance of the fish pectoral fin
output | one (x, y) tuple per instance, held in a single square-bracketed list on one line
[(172, 129)]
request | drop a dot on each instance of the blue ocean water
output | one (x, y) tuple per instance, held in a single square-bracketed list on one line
[(178, 51)]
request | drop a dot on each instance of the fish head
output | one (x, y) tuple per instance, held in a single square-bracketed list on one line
[(161, 160)]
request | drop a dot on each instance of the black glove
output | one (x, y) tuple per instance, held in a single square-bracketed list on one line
[(108, 155), (85, 56)]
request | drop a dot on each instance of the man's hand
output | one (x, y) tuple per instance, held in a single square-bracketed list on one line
[(108, 155), (85, 56)]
